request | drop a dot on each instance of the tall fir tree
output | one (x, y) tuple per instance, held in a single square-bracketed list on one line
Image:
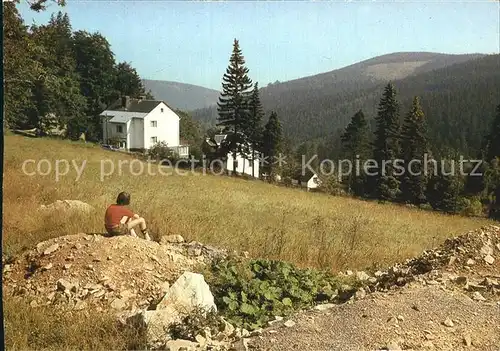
[(233, 106), (414, 146), (385, 184), (272, 143), (355, 146), (254, 125)]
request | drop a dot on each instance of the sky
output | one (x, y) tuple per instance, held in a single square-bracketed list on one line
[(191, 41)]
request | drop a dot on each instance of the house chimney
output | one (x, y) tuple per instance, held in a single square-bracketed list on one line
[(126, 102)]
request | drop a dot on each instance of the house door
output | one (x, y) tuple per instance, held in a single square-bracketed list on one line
[(123, 144)]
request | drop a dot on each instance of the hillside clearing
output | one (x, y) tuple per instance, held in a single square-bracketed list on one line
[(308, 229)]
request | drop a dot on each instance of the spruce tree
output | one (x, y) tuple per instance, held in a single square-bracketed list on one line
[(355, 145), (254, 125), (271, 142), (443, 192), (233, 105), (414, 146), (386, 146)]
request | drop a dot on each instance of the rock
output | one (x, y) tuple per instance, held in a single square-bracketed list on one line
[(470, 262), (392, 345), (400, 318), (80, 305), (119, 304), (289, 323), (188, 292), (467, 340), (462, 280), (174, 239), (67, 266), (324, 306), (477, 296), (240, 345), (67, 206), (489, 282), (349, 273), (427, 345), (245, 333), (47, 267), (362, 276), (489, 259), (228, 329), (200, 339), (486, 250), (194, 251), (181, 345), (448, 322), (64, 285), (452, 260), (52, 248), (360, 294)]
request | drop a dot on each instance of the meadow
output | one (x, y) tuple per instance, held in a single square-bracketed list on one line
[(308, 229), (268, 221)]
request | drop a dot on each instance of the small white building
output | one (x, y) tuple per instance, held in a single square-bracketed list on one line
[(308, 180), (140, 124), (243, 163)]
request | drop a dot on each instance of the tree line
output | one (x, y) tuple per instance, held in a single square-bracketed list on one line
[(443, 184), (55, 77)]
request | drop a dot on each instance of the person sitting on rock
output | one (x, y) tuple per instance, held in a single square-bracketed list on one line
[(119, 220)]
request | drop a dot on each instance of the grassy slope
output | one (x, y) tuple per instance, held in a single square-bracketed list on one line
[(270, 221), (305, 228)]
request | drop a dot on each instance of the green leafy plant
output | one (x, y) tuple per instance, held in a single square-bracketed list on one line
[(251, 293)]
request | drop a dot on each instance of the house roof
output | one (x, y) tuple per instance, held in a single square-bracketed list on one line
[(122, 116), (304, 177), (135, 105), (219, 137)]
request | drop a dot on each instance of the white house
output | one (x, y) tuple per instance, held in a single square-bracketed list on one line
[(243, 164), (309, 180), (141, 123)]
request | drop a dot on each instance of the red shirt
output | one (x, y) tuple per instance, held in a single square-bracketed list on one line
[(114, 214)]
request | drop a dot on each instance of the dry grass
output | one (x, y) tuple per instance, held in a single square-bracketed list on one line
[(309, 229), (306, 228), (41, 328)]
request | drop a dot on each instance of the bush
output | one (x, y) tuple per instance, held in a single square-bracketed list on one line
[(160, 151), (251, 293), (471, 207)]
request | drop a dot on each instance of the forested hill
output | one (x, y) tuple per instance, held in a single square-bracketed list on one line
[(458, 100), (180, 95)]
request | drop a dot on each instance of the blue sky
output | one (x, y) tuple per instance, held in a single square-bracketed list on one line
[(191, 42)]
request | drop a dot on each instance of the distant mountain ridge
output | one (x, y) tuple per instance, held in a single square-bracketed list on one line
[(182, 96), (458, 92)]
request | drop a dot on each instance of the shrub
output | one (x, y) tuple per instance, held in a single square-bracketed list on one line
[(251, 293), (472, 207)]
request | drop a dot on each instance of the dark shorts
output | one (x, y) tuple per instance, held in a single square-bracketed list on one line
[(120, 229)]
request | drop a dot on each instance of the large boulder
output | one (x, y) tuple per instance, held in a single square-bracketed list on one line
[(188, 293), (59, 206)]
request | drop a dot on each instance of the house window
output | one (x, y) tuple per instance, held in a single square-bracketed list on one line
[(161, 109), (119, 129), (154, 140), (154, 124)]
